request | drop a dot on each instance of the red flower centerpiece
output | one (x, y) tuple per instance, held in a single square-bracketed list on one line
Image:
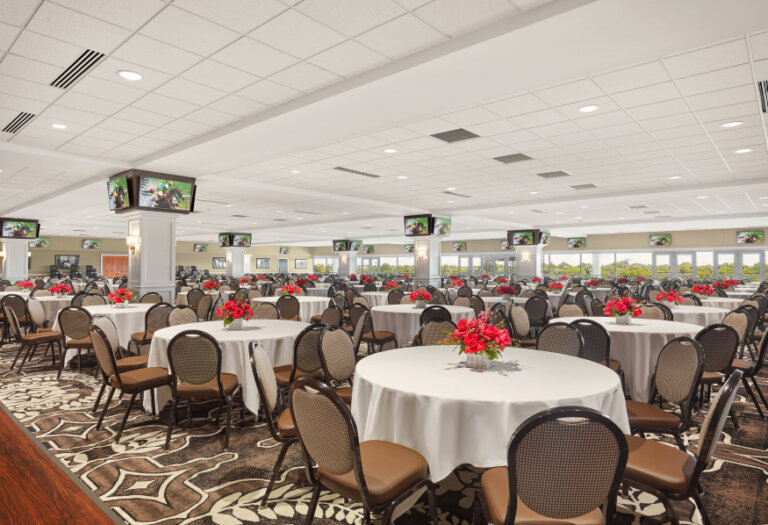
[(290, 290), (233, 314), (536, 280), (312, 277), (623, 309), (421, 297), (120, 297), (706, 289), (623, 280), (479, 340), (484, 276), (392, 285), (563, 277), (365, 279), (406, 276), (505, 291), (60, 289), (501, 280), (245, 281), (457, 282), (669, 297), (724, 285), (24, 285), (261, 277), (641, 279), (301, 282), (593, 283), (210, 285), (555, 287), (352, 277)]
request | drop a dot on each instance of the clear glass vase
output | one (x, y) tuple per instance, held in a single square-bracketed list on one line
[(421, 304), (478, 361), (236, 324), (623, 319)]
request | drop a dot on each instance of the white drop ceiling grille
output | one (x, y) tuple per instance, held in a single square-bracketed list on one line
[(584, 186), (356, 172), (462, 195), (554, 174), (515, 157), (762, 87), (77, 69), (455, 135), (21, 120)]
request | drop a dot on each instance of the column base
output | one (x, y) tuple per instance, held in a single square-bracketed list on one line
[(166, 290)]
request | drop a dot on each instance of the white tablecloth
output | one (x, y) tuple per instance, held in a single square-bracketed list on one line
[(637, 346), (425, 399), (403, 319), (601, 294), (308, 306), (11, 290), (52, 304), (739, 295), (722, 302), (375, 298), (317, 292), (699, 315), (276, 337)]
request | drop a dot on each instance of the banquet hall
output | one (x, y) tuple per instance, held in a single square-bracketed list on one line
[(404, 262)]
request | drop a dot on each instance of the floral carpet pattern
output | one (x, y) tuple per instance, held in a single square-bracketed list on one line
[(196, 481)]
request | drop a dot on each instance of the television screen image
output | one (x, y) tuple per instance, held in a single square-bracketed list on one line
[(241, 239), (91, 244), (368, 248), (285, 250), (219, 263), (660, 239), (750, 237), (356, 246), (225, 240), (505, 245), (409, 248), (165, 194), (40, 242), (19, 229), (200, 248), (522, 238), (460, 246), (117, 190), (341, 246), (577, 242), (544, 238), (417, 225), (442, 226)]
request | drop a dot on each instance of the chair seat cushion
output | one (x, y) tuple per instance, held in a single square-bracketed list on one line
[(495, 485), (316, 318), (389, 469), (209, 390), (140, 339), (743, 365), (41, 337), (132, 363), (379, 336), (285, 424), (345, 394), (283, 374), (646, 416), (711, 377), (664, 467), (80, 343), (613, 364), (142, 379)]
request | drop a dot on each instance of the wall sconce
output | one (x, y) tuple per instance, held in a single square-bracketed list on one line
[(421, 254), (133, 241), (525, 258)]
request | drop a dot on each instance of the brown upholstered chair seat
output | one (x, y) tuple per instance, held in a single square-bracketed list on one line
[(644, 415), (614, 365), (283, 374), (132, 363), (528, 343), (140, 339), (345, 394), (316, 318), (743, 365), (142, 379), (379, 336), (209, 389), (285, 424), (661, 466), (495, 484), (711, 377), (389, 469), (85, 342), (41, 337)]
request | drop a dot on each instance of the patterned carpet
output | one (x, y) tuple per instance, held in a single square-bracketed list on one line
[(195, 481)]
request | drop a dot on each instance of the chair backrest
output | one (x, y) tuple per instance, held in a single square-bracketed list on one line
[(105, 353), (151, 298), (597, 341), (369, 287), (361, 300), (92, 299), (181, 315), (528, 293), (652, 311), (12, 321), (194, 296), (266, 384), (762, 346), (712, 426), (254, 293), (561, 338), (691, 299), (394, 296), (332, 316), (477, 304), (520, 321), (17, 303), (306, 350), (204, 307), (265, 311), (434, 313), (195, 358), (434, 331), (537, 308), (108, 329), (485, 293), (406, 299), (359, 329), (739, 321), (35, 313), (337, 354), (241, 295), (462, 300), (570, 310), (156, 317), (565, 462), (74, 322), (720, 343), (678, 370), (40, 293), (288, 306)]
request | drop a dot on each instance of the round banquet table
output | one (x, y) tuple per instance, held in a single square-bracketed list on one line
[(739, 295), (276, 337), (52, 304), (308, 306), (721, 302), (317, 292), (637, 347), (747, 287), (601, 294), (181, 297), (403, 319), (359, 287), (426, 399), (375, 298), (14, 291), (699, 315)]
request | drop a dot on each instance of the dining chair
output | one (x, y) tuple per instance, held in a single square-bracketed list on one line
[(652, 311), (477, 304), (462, 300), (561, 338), (464, 291), (151, 298), (720, 343), (371, 337), (35, 314), (204, 307), (193, 298), (362, 300), (289, 308), (585, 455), (570, 310), (306, 357), (181, 314), (739, 320), (338, 359), (332, 315), (434, 313), (41, 293), (30, 342), (74, 323), (522, 327), (677, 374), (155, 319), (597, 345), (671, 474), (253, 293), (382, 476), (537, 308), (92, 299), (395, 296), (434, 331), (751, 369), (265, 311), (194, 358), (691, 300)]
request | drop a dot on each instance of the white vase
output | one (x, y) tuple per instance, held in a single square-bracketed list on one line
[(623, 319), (120, 305), (506, 297), (236, 324), (421, 304), (478, 361)]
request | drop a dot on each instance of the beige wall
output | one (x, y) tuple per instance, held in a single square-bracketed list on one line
[(639, 241), (42, 258)]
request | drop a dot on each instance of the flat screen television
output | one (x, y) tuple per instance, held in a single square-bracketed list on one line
[(166, 194), (368, 249), (544, 238), (241, 239), (417, 225), (341, 245), (40, 242), (200, 248), (750, 237), (91, 244), (523, 237), (460, 246), (577, 242), (660, 239), (117, 191), (225, 240), (285, 250), (409, 248), (441, 226), (356, 246), (19, 229)]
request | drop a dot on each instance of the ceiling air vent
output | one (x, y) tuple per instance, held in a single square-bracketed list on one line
[(652, 212), (77, 69), (356, 172), (762, 87), (584, 186), (462, 195), (238, 216), (455, 135), (515, 157), (302, 212), (637, 206), (554, 174), (19, 122), (280, 220), (537, 211)]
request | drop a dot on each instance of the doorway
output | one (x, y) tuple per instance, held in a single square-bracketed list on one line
[(114, 265), (282, 266)]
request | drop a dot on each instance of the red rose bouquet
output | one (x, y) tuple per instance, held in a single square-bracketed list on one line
[(563, 277), (60, 289), (703, 290), (641, 279), (210, 285), (484, 276), (232, 311), (501, 280), (120, 296), (623, 280), (290, 290), (245, 281), (353, 277), (312, 277), (624, 306), (301, 282), (421, 295), (536, 280), (724, 285), (593, 283), (24, 285), (365, 279), (477, 336), (406, 276), (553, 287), (505, 290), (457, 282), (670, 297), (392, 285), (261, 277)]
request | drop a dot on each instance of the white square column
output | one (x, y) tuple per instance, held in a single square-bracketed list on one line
[(15, 267), (528, 261), (152, 262), (235, 261), (426, 269), (347, 264)]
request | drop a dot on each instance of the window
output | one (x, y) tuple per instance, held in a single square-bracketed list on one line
[(606, 265), (388, 264), (684, 265), (662, 266), (326, 264), (499, 268), (405, 265), (750, 264), (725, 265), (477, 268), (705, 265), (633, 264), (565, 264), (463, 265), (449, 265), (586, 265)]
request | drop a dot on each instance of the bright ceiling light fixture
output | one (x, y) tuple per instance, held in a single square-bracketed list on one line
[(734, 124), (743, 150), (588, 109), (675, 177), (59, 126), (402, 177), (450, 189), (129, 75), (533, 192), (295, 171), (390, 150), (703, 196)]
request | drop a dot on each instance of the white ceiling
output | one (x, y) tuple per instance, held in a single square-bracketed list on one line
[(261, 100)]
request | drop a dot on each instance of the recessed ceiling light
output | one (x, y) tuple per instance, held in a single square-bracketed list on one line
[(299, 218), (577, 218), (278, 211), (344, 212), (390, 150), (733, 124), (129, 75), (558, 213), (583, 206), (295, 171), (533, 192), (451, 188), (622, 218), (720, 211), (59, 126), (675, 177), (254, 223), (703, 196), (367, 224), (588, 109), (402, 176), (230, 205), (449, 202), (743, 150), (511, 213)]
